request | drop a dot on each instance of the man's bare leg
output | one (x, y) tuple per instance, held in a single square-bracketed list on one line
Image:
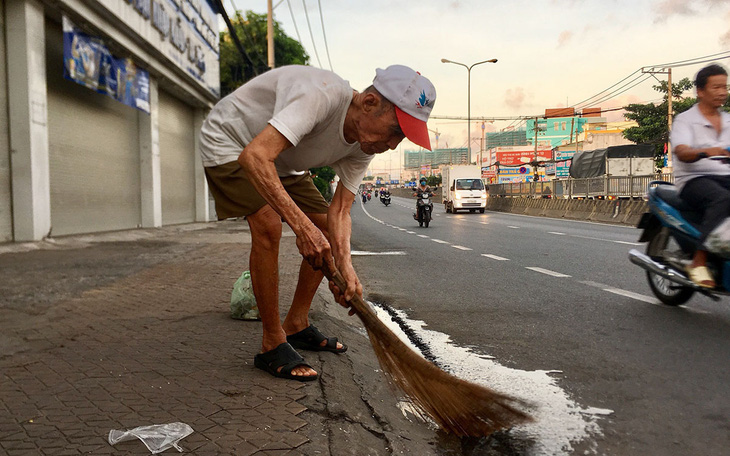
[(297, 318), (700, 258), (265, 227)]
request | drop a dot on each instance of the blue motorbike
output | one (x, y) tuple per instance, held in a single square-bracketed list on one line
[(670, 228)]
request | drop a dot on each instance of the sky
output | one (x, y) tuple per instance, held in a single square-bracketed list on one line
[(551, 53)]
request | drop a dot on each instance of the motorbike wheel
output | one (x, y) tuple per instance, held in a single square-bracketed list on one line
[(664, 289)]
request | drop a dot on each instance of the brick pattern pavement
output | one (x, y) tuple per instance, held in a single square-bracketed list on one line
[(151, 348)]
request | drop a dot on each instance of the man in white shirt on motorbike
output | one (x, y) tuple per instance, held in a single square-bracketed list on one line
[(699, 137)]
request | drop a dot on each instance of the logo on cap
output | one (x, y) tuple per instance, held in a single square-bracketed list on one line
[(423, 101)]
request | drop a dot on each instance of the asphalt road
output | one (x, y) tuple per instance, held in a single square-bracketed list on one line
[(541, 294)]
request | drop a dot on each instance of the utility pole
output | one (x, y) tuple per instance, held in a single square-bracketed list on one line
[(535, 178), (669, 116), (668, 72), (270, 32)]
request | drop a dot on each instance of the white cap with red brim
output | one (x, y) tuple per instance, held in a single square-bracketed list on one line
[(413, 96)]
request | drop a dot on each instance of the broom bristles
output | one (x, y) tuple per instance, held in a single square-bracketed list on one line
[(456, 405)]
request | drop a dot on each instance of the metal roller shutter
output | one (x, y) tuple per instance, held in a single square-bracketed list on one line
[(93, 152), (177, 160)]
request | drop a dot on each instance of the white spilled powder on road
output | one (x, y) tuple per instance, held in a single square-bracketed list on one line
[(559, 421)]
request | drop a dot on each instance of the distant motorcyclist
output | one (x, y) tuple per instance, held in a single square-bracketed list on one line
[(699, 136), (423, 188), (424, 206)]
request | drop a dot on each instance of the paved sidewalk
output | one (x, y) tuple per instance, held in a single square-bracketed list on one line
[(119, 330)]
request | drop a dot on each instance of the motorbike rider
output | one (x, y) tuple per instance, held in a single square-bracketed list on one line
[(424, 188), (697, 134)]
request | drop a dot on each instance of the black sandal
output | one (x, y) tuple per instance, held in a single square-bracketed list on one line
[(311, 339), (287, 358)]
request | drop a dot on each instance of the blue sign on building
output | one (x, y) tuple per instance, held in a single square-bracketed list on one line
[(87, 61)]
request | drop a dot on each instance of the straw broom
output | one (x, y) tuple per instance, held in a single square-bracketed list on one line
[(457, 406)]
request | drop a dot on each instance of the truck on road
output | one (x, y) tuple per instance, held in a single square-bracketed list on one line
[(463, 188)]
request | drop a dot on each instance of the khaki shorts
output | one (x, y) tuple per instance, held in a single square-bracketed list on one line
[(235, 196)]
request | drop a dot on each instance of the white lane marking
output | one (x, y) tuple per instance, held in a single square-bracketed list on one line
[(547, 271), (401, 229), (410, 232), (637, 296), (460, 247), (366, 253), (556, 232), (423, 236), (495, 257), (512, 226), (631, 294), (484, 223), (587, 237), (602, 239), (440, 241)]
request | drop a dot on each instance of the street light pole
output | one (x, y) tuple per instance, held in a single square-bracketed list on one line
[(468, 95)]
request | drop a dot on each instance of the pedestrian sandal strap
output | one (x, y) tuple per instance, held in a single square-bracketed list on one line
[(283, 356)]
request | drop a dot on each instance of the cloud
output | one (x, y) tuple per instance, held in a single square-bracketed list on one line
[(515, 98), (564, 37), (667, 8)]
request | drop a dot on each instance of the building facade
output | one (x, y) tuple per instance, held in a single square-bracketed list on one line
[(103, 103)]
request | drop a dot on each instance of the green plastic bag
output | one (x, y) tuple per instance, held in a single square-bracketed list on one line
[(243, 302)]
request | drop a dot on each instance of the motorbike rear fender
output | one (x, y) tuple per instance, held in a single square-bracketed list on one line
[(651, 225)]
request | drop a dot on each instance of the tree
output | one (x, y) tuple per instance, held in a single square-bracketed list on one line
[(652, 119), (322, 178), (433, 181), (236, 69)]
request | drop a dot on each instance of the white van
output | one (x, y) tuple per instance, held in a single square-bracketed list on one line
[(463, 188)]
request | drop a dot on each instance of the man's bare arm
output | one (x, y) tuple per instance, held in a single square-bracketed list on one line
[(339, 226), (257, 160), (689, 154)]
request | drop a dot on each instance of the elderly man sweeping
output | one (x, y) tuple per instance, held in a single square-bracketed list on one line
[(257, 146)]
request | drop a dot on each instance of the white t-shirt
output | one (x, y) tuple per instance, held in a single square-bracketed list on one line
[(692, 129), (306, 105)]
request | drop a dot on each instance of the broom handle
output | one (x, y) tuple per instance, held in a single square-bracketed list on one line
[(363, 310)]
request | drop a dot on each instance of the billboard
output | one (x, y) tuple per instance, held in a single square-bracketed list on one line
[(562, 168), (184, 31), (519, 157), (87, 61)]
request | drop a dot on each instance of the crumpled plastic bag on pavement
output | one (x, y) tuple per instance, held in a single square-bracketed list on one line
[(157, 438), (719, 240), (243, 302)]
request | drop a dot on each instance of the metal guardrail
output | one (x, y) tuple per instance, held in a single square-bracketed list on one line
[(592, 187)]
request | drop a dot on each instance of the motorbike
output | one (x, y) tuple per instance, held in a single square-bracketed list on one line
[(424, 208), (670, 229), (385, 199), (369, 196), (364, 198)]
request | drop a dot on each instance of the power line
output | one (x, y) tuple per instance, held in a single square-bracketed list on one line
[(687, 62), (696, 58), (321, 19), (248, 37), (299, 38), (311, 34), (619, 91), (234, 35), (605, 90)]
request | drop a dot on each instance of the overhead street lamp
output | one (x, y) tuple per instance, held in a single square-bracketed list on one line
[(468, 91)]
